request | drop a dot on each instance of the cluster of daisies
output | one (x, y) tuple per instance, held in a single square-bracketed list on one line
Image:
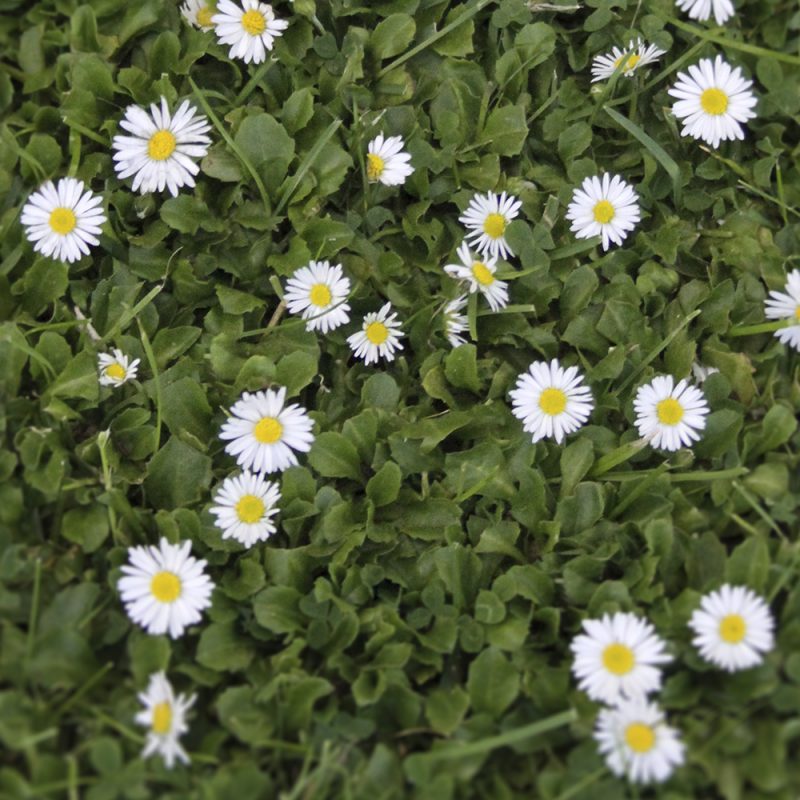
[(617, 662)]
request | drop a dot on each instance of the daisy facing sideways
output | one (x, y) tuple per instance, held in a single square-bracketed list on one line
[(379, 336), (486, 219), (199, 13), (605, 206), (245, 505), (115, 368), (455, 323), (635, 56), (164, 715), (670, 415), (786, 305), (479, 273), (318, 292), (386, 161), (250, 29), (701, 9)]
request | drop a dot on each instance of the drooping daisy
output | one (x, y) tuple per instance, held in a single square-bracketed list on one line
[(318, 292), (701, 9), (161, 149), (551, 401), (164, 588), (379, 336), (164, 715), (486, 220), (115, 368), (606, 206), (264, 432), (62, 221), (670, 415), (455, 323), (617, 657), (245, 505), (712, 100), (386, 161), (199, 14), (780, 305), (733, 628), (250, 29), (480, 275), (634, 57), (637, 742)]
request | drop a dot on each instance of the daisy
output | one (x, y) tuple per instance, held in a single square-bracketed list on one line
[(606, 206), (670, 415), (480, 276), (551, 401), (264, 432), (199, 13), (455, 323), (379, 336), (62, 221), (780, 305), (634, 57), (164, 715), (245, 505), (318, 292), (486, 219), (250, 29), (712, 100), (114, 368), (164, 588), (734, 627), (386, 161), (617, 657), (637, 742), (161, 149), (701, 9)]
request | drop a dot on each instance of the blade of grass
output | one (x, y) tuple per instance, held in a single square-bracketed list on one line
[(131, 313)]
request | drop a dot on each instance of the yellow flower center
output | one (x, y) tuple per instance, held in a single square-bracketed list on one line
[(204, 17), (165, 587), (552, 401), (714, 102), (116, 371), (629, 61), (375, 166), (603, 212), (640, 737), (63, 220), (320, 295), (162, 718), (669, 411), (253, 22), (494, 225), (732, 629), (482, 274), (162, 145), (618, 659), (797, 312), (250, 509), (268, 430), (377, 332)]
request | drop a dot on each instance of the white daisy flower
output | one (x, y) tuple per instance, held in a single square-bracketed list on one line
[(780, 305), (161, 149), (455, 323), (486, 220), (164, 715), (637, 742), (733, 628), (164, 588), (701, 9), (264, 432), (62, 221), (386, 161), (245, 505), (606, 206), (634, 57), (379, 336), (199, 14), (713, 99), (250, 29), (617, 657), (551, 401), (479, 274), (670, 415), (318, 292), (115, 368), (702, 374)]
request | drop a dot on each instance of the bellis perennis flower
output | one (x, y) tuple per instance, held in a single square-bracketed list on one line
[(199, 13), (479, 274), (379, 336), (318, 292), (115, 368), (250, 29), (635, 56), (245, 505), (386, 161), (604, 206), (670, 415), (702, 9), (786, 305), (164, 715), (455, 323), (486, 220)]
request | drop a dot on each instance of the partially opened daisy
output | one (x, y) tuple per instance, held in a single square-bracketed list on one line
[(786, 305), (551, 401), (164, 716), (702, 9), (245, 505), (379, 336), (164, 588), (637, 742), (486, 220), (733, 628), (263, 433), (618, 657), (115, 368), (713, 99), (635, 56), (479, 273), (250, 29), (386, 161), (669, 414), (318, 292), (62, 221), (199, 13), (455, 323), (605, 206)]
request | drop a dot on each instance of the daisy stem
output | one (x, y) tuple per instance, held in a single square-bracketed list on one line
[(765, 196), (750, 500), (70, 701), (102, 443), (276, 316), (151, 360), (763, 327), (247, 89), (75, 152), (34, 612), (118, 726)]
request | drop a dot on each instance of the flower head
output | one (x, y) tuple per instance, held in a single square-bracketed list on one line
[(455, 323), (635, 56), (479, 273), (250, 29), (780, 305), (386, 161), (670, 415), (379, 336), (606, 206), (164, 715), (486, 220), (199, 13), (245, 506), (701, 9), (318, 292), (115, 368)]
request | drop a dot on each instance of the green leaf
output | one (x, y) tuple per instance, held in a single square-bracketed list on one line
[(177, 475), (86, 527), (461, 367), (333, 456), (492, 682), (222, 650), (267, 145), (384, 486), (392, 35), (506, 130)]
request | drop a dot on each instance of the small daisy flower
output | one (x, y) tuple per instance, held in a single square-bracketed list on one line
[(250, 29), (780, 305), (701, 9), (486, 220), (634, 57), (606, 206), (199, 13), (712, 100), (318, 292), (161, 149), (670, 415), (264, 432), (733, 628), (702, 374), (618, 657), (379, 336), (637, 742), (62, 221), (455, 323), (164, 588), (480, 275), (245, 505), (386, 161), (164, 715), (551, 401), (115, 369)]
